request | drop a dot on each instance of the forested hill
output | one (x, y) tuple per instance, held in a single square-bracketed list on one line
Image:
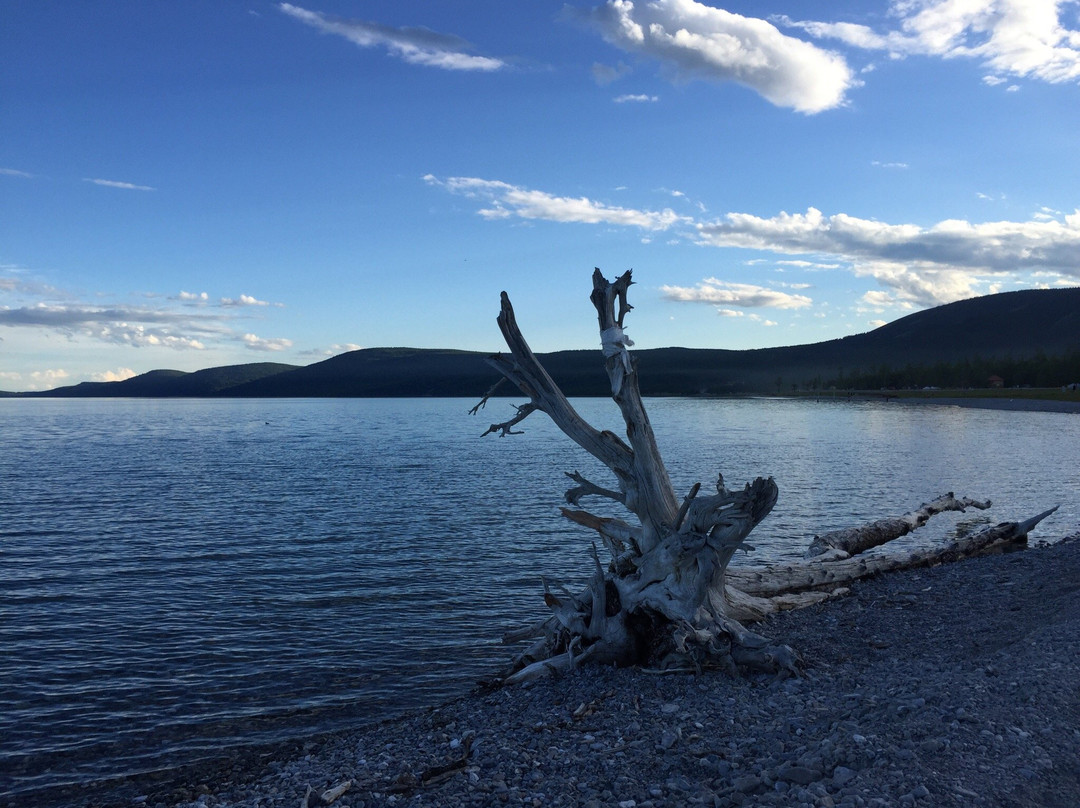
[(1011, 330)]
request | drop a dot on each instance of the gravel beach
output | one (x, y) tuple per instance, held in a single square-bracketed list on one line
[(957, 685)]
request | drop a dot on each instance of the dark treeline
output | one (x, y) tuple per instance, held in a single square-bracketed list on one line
[(1039, 370)]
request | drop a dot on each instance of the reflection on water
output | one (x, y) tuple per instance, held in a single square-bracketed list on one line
[(182, 576)]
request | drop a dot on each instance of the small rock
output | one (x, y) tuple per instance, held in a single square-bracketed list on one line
[(842, 775), (747, 784), (800, 775)]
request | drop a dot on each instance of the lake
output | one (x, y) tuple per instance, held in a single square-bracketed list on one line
[(178, 577)]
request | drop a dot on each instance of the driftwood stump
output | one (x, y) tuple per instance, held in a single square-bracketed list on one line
[(665, 597)]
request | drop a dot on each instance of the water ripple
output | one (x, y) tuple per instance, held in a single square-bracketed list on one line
[(180, 577)]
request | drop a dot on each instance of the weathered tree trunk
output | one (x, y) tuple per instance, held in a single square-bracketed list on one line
[(758, 591), (666, 597), (854, 540)]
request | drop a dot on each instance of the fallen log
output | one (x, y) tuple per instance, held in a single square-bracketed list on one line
[(855, 540), (777, 587)]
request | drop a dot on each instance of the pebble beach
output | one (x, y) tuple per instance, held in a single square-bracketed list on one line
[(956, 685)]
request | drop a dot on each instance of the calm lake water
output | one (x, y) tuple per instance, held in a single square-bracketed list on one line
[(183, 576)]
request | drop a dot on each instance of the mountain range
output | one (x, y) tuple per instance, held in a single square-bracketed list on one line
[(1014, 325)]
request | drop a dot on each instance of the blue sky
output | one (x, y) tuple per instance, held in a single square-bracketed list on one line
[(192, 184)]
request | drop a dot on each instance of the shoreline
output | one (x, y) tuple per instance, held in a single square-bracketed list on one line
[(953, 685), (1011, 404), (974, 402)]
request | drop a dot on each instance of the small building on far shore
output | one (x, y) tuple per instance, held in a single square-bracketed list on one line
[(996, 381)]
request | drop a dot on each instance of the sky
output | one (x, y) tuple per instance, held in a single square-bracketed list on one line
[(203, 183)]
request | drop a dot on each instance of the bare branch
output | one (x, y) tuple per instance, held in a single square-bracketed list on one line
[(487, 395), (686, 505), (504, 429), (586, 488), (653, 498), (531, 378)]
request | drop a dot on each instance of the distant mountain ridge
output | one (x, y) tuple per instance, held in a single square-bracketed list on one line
[(1011, 324)]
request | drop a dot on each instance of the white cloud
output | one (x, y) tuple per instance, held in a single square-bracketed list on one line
[(196, 297), (877, 299), (418, 46), (507, 200), (14, 172), (730, 313), (622, 99), (119, 325), (803, 264), (127, 186), (744, 295), (920, 265), (992, 246), (888, 165), (698, 41), (118, 375), (245, 300), (47, 379), (259, 344), (1017, 37), (877, 323), (333, 350)]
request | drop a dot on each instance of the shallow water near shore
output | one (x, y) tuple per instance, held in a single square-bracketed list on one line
[(185, 576)]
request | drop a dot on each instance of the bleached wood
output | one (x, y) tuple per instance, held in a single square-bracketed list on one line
[(855, 540), (779, 579), (668, 598)]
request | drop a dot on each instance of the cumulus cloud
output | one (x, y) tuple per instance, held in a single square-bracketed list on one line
[(193, 297), (47, 379), (994, 246), (743, 295), (505, 200), (118, 375), (333, 350), (120, 325), (926, 266), (418, 46), (259, 344), (244, 300), (127, 186), (1016, 37), (694, 40)]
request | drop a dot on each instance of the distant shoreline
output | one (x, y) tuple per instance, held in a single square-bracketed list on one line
[(985, 403)]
